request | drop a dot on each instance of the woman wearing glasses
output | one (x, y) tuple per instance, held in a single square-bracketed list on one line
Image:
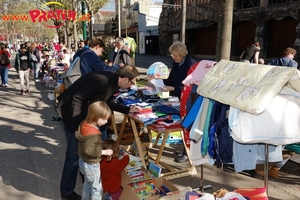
[(180, 67), (173, 84)]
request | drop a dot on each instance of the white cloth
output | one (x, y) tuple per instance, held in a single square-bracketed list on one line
[(248, 87), (279, 124), (196, 155)]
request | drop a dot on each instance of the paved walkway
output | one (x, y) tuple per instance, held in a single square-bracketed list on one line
[(32, 146), (32, 150)]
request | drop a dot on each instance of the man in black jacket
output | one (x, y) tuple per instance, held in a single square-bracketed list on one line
[(23, 66), (73, 105)]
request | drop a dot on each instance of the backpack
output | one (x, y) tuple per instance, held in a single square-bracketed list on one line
[(34, 58), (73, 72), (4, 59)]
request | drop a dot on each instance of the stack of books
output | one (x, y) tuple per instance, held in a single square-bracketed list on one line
[(135, 163)]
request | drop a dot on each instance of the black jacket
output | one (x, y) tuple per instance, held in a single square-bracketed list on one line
[(18, 61), (178, 74), (95, 86)]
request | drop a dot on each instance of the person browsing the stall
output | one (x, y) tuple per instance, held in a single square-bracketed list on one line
[(90, 61), (73, 106), (179, 71), (182, 63), (111, 168), (90, 149), (90, 57)]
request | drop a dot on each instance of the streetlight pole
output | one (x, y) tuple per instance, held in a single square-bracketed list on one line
[(83, 22), (119, 16)]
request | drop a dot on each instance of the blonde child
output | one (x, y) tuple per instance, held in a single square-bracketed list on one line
[(90, 149), (111, 168)]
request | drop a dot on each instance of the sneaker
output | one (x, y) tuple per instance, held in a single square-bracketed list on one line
[(21, 93), (181, 159), (5, 85), (71, 196), (37, 80), (179, 153)]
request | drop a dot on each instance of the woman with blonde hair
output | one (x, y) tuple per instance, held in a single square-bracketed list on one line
[(173, 84), (182, 63)]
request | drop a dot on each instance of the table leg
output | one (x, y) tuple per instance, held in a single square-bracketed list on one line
[(156, 140), (187, 150), (150, 136), (113, 124), (162, 146), (138, 141), (122, 129)]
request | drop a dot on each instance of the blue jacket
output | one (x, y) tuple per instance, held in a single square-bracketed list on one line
[(224, 141), (90, 62), (284, 61)]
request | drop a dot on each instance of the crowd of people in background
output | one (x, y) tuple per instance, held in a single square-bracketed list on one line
[(39, 56), (32, 61)]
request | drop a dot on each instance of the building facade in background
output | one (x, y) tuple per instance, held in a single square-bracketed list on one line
[(274, 23), (139, 20)]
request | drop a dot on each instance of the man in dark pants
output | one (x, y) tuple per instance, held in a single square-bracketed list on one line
[(90, 61), (73, 105)]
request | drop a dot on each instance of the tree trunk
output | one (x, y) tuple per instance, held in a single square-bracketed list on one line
[(224, 30), (68, 33), (219, 32), (75, 35)]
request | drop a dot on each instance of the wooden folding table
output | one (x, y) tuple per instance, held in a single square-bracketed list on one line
[(160, 133)]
